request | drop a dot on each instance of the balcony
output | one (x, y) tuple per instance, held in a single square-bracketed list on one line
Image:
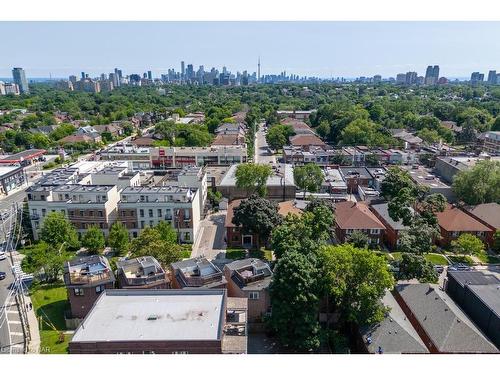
[(82, 278)]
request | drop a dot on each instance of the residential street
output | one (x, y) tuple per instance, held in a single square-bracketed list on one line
[(262, 154)]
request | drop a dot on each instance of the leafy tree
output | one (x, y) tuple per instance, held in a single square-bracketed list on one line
[(150, 242), (62, 131), (214, 197), (429, 135), (468, 244), (323, 129), (118, 238), (93, 239), (253, 177), (56, 230), (304, 233), (395, 180), (167, 232), (257, 216), (413, 266), (45, 260), (308, 178), (496, 240), (295, 302), (480, 184), (355, 280), (371, 160), (359, 239), (278, 136), (419, 238)]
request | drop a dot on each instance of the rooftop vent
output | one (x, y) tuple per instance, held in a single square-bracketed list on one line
[(153, 317)]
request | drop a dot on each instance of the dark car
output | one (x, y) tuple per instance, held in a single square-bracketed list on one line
[(439, 269), (3, 275)]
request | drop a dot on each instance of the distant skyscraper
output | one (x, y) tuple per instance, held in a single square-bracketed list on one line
[(258, 71), (401, 79), (83, 75), (431, 75), (20, 80), (435, 74), (411, 78), (150, 75), (476, 77), (377, 78), (190, 72), (492, 77), (182, 69)]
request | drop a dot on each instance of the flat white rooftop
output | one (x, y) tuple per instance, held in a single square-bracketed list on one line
[(154, 315)]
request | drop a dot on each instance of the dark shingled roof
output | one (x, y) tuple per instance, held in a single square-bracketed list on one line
[(447, 326)]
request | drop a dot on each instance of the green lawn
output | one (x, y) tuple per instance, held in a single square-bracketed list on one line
[(235, 253), (436, 259), (461, 259), (49, 303), (261, 254), (490, 259)]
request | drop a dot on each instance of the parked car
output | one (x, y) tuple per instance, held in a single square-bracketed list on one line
[(3, 256), (3, 275), (459, 267), (439, 269)]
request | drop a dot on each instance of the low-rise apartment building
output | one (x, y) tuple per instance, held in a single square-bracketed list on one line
[(163, 322), (178, 157), (86, 278), (393, 229), (141, 273), (356, 216), (491, 142), (250, 278), (454, 222)]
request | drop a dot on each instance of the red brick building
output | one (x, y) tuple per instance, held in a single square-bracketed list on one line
[(487, 214), (86, 278), (393, 229), (235, 236), (163, 322), (356, 216), (453, 222)]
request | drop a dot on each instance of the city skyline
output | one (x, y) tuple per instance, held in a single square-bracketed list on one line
[(295, 47)]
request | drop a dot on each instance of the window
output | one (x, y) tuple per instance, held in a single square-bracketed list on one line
[(480, 234), (99, 213), (44, 211), (134, 234), (141, 212), (142, 224), (151, 223), (187, 214), (374, 231), (99, 288), (150, 212), (78, 292), (159, 212), (187, 236), (81, 213), (349, 231), (168, 214), (253, 295), (91, 213)]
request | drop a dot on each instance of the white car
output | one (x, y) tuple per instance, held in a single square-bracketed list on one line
[(3, 256)]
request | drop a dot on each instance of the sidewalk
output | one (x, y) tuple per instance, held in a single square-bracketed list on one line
[(34, 344)]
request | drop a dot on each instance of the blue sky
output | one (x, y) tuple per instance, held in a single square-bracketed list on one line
[(323, 49)]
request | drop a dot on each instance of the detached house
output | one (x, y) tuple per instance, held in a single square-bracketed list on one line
[(356, 216), (453, 222)]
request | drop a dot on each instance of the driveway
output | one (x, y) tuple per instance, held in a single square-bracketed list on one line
[(211, 238)]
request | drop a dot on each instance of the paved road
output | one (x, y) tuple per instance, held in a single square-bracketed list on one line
[(11, 331), (262, 154)]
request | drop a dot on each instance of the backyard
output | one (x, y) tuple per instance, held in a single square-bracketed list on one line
[(50, 302)]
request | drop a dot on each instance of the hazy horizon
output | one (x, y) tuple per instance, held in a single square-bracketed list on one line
[(323, 49)]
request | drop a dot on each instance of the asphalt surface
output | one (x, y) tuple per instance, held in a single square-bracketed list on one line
[(262, 154)]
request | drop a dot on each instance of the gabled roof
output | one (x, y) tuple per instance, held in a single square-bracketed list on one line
[(394, 334), (487, 212), (446, 325), (452, 219), (383, 211), (356, 215), (306, 140)]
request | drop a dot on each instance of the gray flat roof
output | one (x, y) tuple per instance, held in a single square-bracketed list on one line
[(383, 210), (473, 278), (154, 315)]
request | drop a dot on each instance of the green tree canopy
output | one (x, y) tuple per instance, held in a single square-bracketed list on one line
[(308, 177), (413, 266), (151, 242), (480, 184), (118, 238), (45, 260), (359, 239), (93, 239), (419, 238), (253, 177), (356, 280), (468, 244), (257, 216), (294, 297), (278, 136), (56, 230)]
